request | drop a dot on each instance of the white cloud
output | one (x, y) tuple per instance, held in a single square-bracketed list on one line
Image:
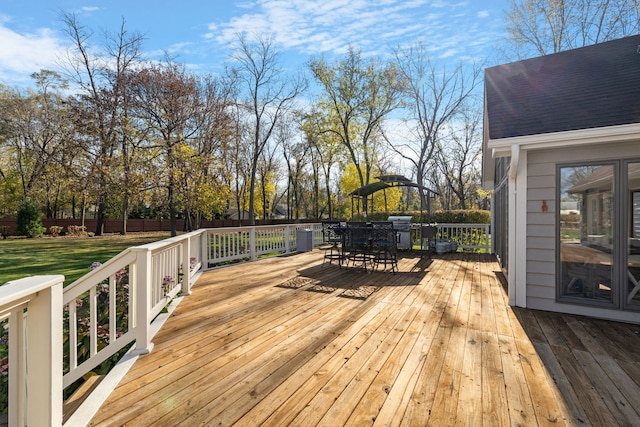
[(330, 26), (23, 54), (483, 14)]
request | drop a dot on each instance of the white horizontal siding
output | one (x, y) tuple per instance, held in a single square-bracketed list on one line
[(541, 226), (541, 279), (543, 255), (540, 292)]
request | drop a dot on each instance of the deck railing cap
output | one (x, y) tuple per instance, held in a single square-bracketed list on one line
[(21, 288)]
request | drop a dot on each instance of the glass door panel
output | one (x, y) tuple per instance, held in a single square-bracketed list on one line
[(633, 235), (586, 232)]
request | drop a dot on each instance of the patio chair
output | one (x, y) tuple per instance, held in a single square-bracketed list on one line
[(358, 243), (427, 235), (384, 243), (332, 237)]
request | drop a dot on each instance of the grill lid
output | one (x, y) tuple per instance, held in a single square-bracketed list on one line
[(399, 219)]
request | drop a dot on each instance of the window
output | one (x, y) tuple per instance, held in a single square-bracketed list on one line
[(586, 232), (599, 234), (632, 296)]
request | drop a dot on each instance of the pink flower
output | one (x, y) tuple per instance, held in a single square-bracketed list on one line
[(121, 274)]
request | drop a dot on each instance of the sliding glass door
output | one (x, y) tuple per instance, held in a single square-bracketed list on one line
[(586, 232), (599, 234), (632, 296)]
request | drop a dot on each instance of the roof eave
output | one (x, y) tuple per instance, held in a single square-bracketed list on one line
[(621, 133)]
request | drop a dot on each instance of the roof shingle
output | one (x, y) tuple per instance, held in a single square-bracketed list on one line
[(589, 87)]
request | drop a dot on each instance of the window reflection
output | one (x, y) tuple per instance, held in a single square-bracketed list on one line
[(586, 231)]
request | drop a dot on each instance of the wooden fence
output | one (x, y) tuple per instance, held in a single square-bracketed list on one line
[(8, 226)]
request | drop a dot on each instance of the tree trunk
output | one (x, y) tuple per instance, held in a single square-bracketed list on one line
[(125, 214), (172, 209), (102, 207)]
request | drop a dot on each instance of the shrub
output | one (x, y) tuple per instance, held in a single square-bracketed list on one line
[(469, 216), (29, 219), (55, 230), (76, 230)]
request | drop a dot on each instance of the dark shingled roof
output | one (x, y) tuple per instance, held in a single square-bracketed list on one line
[(589, 87)]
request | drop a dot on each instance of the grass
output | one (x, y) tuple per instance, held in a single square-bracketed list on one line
[(68, 256)]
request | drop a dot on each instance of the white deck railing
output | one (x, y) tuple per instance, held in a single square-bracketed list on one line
[(32, 307), (467, 236), (249, 243), (115, 305), (110, 308)]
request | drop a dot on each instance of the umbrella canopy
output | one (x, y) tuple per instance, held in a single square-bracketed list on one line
[(389, 181)]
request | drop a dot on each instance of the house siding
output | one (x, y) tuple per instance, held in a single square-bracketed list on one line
[(541, 226)]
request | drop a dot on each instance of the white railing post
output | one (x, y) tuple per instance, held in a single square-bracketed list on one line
[(142, 301), (287, 239), (186, 267), (17, 386), (486, 239), (35, 349), (252, 243), (204, 249), (44, 357)]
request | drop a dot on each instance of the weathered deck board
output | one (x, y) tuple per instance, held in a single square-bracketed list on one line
[(594, 363), (287, 341)]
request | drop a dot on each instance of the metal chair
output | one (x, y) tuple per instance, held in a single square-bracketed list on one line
[(384, 244), (358, 243), (427, 235), (333, 242)]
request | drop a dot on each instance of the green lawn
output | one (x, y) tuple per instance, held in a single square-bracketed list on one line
[(64, 255)]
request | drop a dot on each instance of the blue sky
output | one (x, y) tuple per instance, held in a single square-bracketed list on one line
[(200, 33)]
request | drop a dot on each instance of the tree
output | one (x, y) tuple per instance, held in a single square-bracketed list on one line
[(327, 147), (36, 134), (237, 164), (295, 155), (541, 27), (458, 155), (267, 172), (434, 98), (29, 219), (102, 81), (357, 97), (269, 94), (216, 126), (167, 101)]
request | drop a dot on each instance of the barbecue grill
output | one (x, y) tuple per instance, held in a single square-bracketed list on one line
[(402, 225)]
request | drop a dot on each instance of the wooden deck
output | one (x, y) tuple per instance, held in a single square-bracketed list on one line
[(286, 341)]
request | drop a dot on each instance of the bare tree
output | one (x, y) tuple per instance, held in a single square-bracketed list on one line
[(434, 98), (101, 78), (541, 27), (458, 155), (357, 97), (295, 155), (267, 172), (270, 94), (327, 149)]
